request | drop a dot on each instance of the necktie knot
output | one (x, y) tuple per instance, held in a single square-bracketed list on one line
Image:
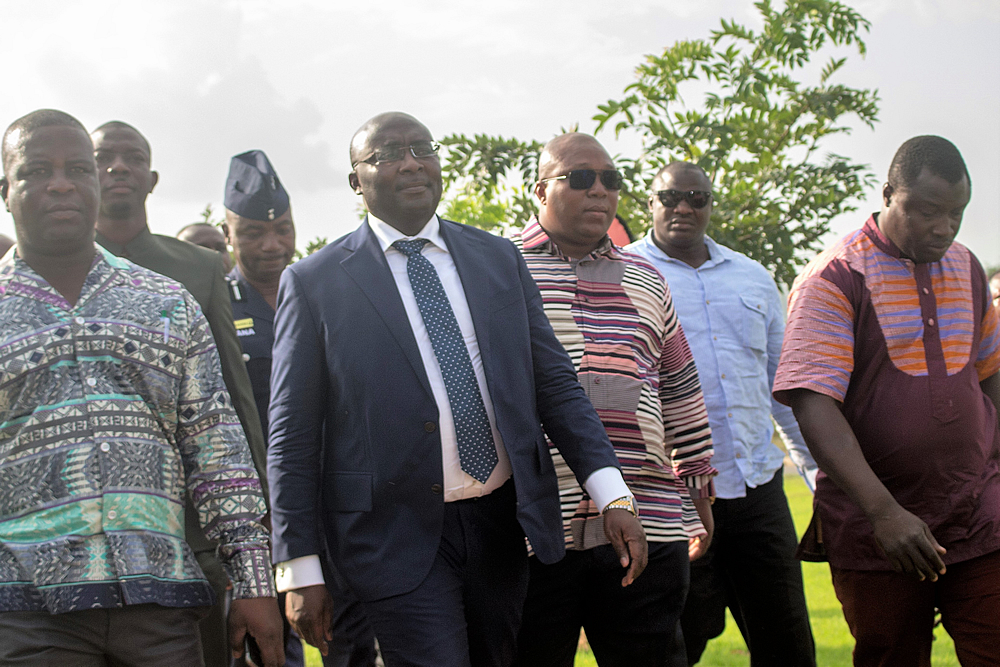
[(410, 247)]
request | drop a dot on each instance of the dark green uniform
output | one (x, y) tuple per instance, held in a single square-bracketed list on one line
[(201, 272)]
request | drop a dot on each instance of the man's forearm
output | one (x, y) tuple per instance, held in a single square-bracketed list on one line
[(837, 452)]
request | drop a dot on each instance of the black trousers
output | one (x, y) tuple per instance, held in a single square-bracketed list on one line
[(751, 568), (468, 609), (626, 627), (145, 635)]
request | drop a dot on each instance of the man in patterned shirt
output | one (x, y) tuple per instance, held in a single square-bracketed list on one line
[(613, 314), (890, 363), (112, 410)]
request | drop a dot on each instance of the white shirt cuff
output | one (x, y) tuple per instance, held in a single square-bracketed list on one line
[(603, 486), (298, 573)]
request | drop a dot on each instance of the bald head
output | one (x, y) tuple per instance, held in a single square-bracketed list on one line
[(361, 141), (678, 168), (551, 162), (121, 125), (18, 131)]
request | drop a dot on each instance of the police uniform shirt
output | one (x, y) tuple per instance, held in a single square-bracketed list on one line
[(253, 318)]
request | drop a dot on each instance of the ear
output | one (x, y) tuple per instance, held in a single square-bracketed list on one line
[(540, 193), (156, 179), (652, 198), (887, 193), (4, 189), (225, 232), (352, 178)]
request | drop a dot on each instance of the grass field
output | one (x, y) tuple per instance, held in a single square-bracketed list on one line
[(833, 639)]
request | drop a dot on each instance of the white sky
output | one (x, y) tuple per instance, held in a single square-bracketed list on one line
[(207, 79)]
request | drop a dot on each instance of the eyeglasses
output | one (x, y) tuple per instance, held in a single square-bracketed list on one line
[(694, 198), (418, 149), (583, 179)]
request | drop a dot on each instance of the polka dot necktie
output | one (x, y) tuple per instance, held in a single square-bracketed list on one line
[(476, 450)]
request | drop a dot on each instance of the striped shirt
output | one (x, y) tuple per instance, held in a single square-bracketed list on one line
[(111, 411), (612, 312), (903, 347)]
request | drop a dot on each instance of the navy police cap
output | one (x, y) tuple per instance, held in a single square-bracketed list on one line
[(253, 189)]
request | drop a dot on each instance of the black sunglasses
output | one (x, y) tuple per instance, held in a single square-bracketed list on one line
[(419, 149), (583, 179), (694, 198)]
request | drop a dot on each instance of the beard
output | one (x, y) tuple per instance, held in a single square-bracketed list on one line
[(119, 210)]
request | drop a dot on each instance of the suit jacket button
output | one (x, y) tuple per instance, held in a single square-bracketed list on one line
[(436, 489), (429, 427)]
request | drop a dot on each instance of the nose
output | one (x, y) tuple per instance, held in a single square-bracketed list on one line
[(683, 208), (597, 189), (270, 243), (118, 164), (60, 182), (408, 162)]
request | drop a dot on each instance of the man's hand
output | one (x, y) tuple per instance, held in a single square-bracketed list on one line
[(310, 612), (698, 546), (629, 540), (261, 619), (908, 543)]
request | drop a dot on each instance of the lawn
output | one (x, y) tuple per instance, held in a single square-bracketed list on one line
[(833, 639)]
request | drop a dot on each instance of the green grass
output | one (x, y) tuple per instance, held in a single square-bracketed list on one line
[(833, 640)]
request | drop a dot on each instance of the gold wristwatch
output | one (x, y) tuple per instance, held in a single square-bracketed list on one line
[(626, 503)]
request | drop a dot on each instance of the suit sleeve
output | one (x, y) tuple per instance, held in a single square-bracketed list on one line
[(298, 398), (567, 415), (234, 370)]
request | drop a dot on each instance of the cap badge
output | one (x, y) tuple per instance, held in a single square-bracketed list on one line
[(270, 214)]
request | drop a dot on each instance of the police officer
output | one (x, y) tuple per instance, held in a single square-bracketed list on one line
[(260, 229)]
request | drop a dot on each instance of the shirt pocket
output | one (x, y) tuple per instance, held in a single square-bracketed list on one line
[(754, 322)]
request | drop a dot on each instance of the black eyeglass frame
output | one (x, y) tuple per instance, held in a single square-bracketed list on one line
[(671, 198), (611, 179), (376, 158)]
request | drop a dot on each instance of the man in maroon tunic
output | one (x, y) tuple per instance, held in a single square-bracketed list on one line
[(890, 363)]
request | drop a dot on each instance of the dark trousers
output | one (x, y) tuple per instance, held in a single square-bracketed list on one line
[(353, 643), (213, 627), (626, 627), (751, 568), (468, 609), (145, 635), (892, 615)]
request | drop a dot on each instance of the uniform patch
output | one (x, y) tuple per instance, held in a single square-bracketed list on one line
[(246, 323)]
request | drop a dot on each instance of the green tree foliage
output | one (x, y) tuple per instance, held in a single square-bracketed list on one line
[(489, 181), (757, 130)]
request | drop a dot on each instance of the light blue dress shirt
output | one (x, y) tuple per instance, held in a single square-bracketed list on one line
[(734, 320)]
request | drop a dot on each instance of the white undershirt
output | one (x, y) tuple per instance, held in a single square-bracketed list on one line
[(603, 485)]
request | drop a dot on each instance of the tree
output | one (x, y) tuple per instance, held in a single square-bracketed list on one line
[(757, 130)]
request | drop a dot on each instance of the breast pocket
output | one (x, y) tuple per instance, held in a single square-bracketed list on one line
[(754, 321)]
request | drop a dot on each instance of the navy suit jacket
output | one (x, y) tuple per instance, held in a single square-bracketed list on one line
[(354, 461)]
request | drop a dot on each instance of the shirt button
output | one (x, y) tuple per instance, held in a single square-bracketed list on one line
[(723, 376), (105, 447), (930, 321), (436, 489), (429, 427), (926, 291), (707, 301), (112, 515), (739, 455), (715, 338), (79, 320), (91, 382), (729, 414), (246, 357), (597, 380)]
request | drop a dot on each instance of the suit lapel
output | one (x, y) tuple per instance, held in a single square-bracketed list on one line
[(469, 255), (367, 266)]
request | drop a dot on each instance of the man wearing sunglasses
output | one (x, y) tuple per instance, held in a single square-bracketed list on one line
[(413, 370), (613, 314), (733, 316)]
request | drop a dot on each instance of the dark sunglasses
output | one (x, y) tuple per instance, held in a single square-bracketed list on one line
[(419, 149), (694, 198), (583, 179)]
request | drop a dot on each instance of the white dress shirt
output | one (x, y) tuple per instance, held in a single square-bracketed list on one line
[(603, 485)]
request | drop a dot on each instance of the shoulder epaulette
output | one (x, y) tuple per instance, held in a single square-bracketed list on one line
[(235, 293)]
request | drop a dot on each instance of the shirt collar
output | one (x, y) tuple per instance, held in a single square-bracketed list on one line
[(19, 279), (533, 237), (387, 234), (716, 254), (883, 242)]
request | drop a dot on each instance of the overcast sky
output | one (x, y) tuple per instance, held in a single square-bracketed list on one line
[(205, 80)]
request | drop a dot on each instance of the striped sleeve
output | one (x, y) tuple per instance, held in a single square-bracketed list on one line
[(818, 350), (988, 361), (687, 435)]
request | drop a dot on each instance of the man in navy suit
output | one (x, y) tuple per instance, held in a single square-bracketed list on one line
[(413, 370)]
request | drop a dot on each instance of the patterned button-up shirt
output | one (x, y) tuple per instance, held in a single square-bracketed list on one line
[(902, 347), (110, 412), (612, 312)]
